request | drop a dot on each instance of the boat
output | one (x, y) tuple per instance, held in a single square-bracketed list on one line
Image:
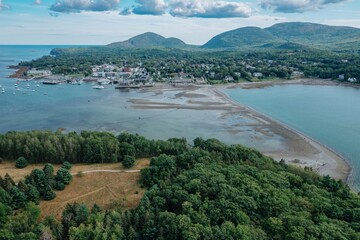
[(3, 90), (98, 87)]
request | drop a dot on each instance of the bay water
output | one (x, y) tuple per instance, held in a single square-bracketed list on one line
[(79, 107), (328, 114)]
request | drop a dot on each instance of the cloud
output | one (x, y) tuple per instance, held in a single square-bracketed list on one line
[(209, 9), (68, 6), (297, 6), (147, 7), (4, 6), (190, 8)]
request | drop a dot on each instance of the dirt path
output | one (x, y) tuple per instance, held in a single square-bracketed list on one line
[(109, 171)]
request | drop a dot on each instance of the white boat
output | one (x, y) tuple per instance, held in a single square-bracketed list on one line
[(3, 90), (98, 87)]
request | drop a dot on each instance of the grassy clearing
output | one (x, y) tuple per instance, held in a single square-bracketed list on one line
[(107, 189), (18, 174)]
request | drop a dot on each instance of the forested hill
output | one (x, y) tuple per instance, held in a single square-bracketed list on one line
[(148, 40), (290, 35), (206, 190), (295, 34)]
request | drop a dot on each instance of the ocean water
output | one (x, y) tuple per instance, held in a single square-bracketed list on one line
[(328, 114), (79, 107)]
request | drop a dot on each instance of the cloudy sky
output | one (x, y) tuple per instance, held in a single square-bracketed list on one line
[(99, 22)]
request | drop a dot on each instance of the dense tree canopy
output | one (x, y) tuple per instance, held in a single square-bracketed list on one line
[(205, 191), (212, 65)]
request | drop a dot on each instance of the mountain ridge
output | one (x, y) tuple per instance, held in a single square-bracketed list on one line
[(149, 39), (289, 35)]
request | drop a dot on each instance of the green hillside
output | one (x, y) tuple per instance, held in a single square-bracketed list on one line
[(242, 38), (317, 35), (148, 40), (293, 35)]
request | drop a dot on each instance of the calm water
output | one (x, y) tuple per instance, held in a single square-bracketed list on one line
[(329, 114), (77, 108)]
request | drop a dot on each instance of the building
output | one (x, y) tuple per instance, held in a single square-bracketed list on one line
[(34, 72), (258, 74), (297, 74), (352, 80), (229, 78), (104, 81), (342, 77)]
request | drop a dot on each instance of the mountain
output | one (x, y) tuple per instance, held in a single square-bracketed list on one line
[(284, 36), (316, 35), (242, 38), (293, 35), (149, 40)]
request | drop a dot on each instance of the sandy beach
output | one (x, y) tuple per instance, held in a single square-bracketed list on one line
[(295, 148)]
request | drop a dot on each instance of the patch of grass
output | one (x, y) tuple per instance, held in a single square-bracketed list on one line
[(18, 174), (108, 190)]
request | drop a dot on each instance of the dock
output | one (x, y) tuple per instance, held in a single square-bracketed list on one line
[(52, 82), (127, 86)]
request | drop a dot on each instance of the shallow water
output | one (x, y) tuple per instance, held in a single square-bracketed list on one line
[(79, 107), (329, 114)]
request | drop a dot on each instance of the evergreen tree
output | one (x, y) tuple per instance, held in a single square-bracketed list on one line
[(18, 198), (67, 165), (64, 176), (128, 161), (21, 162)]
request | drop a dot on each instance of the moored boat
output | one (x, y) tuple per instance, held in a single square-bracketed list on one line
[(98, 87)]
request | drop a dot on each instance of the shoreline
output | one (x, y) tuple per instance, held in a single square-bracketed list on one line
[(259, 131), (300, 81), (341, 160)]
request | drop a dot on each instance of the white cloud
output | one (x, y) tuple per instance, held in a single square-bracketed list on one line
[(84, 5), (3, 6), (191, 8), (147, 7), (297, 6), (209, 9), (68, 29)]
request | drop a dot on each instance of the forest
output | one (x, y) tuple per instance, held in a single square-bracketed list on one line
[(199, 190), (165, 63)]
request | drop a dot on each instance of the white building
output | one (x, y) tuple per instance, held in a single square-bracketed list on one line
[(35, 72), (257, 74), (229, 78)]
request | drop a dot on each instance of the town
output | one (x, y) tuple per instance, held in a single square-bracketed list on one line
[(132, 70)]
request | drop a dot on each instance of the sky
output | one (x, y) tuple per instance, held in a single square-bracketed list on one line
[(99, 22)]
